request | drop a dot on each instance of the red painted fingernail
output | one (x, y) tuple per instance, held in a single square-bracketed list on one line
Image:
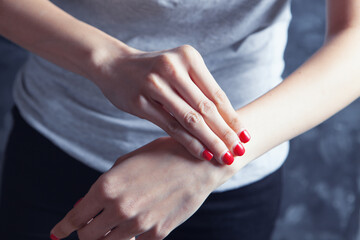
[(78, 201), (228, 158), (239, 149), (244, 136), (53, 237), (207, 155)]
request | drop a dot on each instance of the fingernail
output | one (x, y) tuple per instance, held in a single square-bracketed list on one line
[(244, 136), (239, 149), (207, 155), (53, 237), (78, 202), (228, 158)]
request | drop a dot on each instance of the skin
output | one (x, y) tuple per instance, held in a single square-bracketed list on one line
[(168, 196), (178, 79), (322, 86), (172, 88)]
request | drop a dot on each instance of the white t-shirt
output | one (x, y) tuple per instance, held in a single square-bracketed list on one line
[(241, 41)]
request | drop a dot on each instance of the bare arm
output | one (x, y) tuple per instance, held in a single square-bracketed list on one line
[(326, 83), (322, 86), (44, 29), (172, 88)]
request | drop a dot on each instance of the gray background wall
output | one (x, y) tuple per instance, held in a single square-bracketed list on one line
[(322, 174)]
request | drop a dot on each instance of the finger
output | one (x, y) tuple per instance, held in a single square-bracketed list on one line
[(191, 120), (219, 98), (158, 115), (126, 230), (192, 95), (202, 77), (77, 217), (99, 226)]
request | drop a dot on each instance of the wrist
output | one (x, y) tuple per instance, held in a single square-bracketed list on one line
[(104, 55), (210, 174), (220, 174)]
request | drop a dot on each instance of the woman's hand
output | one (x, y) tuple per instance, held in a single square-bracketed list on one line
[(147, 194), (175, 90), (171, 88)]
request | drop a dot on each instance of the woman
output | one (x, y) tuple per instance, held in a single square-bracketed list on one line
[(152, 190)]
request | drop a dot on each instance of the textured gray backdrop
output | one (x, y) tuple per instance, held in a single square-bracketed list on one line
[(322, 174)]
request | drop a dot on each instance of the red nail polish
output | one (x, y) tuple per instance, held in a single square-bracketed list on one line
[(228, 158), (78, 202), (207, 155), (244, 136), (53, 237), (239, 149)]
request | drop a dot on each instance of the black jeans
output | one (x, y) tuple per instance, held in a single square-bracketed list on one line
[(41, 183)]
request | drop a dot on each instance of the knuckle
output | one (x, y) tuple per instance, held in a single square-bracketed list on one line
[(142, 223), (124, 210), (219, 97), (192, 119), (206, 107), (140, 102), (165, 59), (227, 136), (235, 123), (188, 51), (106, 187), (74, 220), (153, 82), (173, 127), (166, 63), (60, 230)]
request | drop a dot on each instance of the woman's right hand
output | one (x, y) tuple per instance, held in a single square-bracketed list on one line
[(175, 90)]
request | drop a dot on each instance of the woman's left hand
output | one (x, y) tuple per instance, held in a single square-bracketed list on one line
[(147, 193)]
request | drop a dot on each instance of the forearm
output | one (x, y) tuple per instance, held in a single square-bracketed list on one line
[(154, 85), (325, 84), (44, 29)]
